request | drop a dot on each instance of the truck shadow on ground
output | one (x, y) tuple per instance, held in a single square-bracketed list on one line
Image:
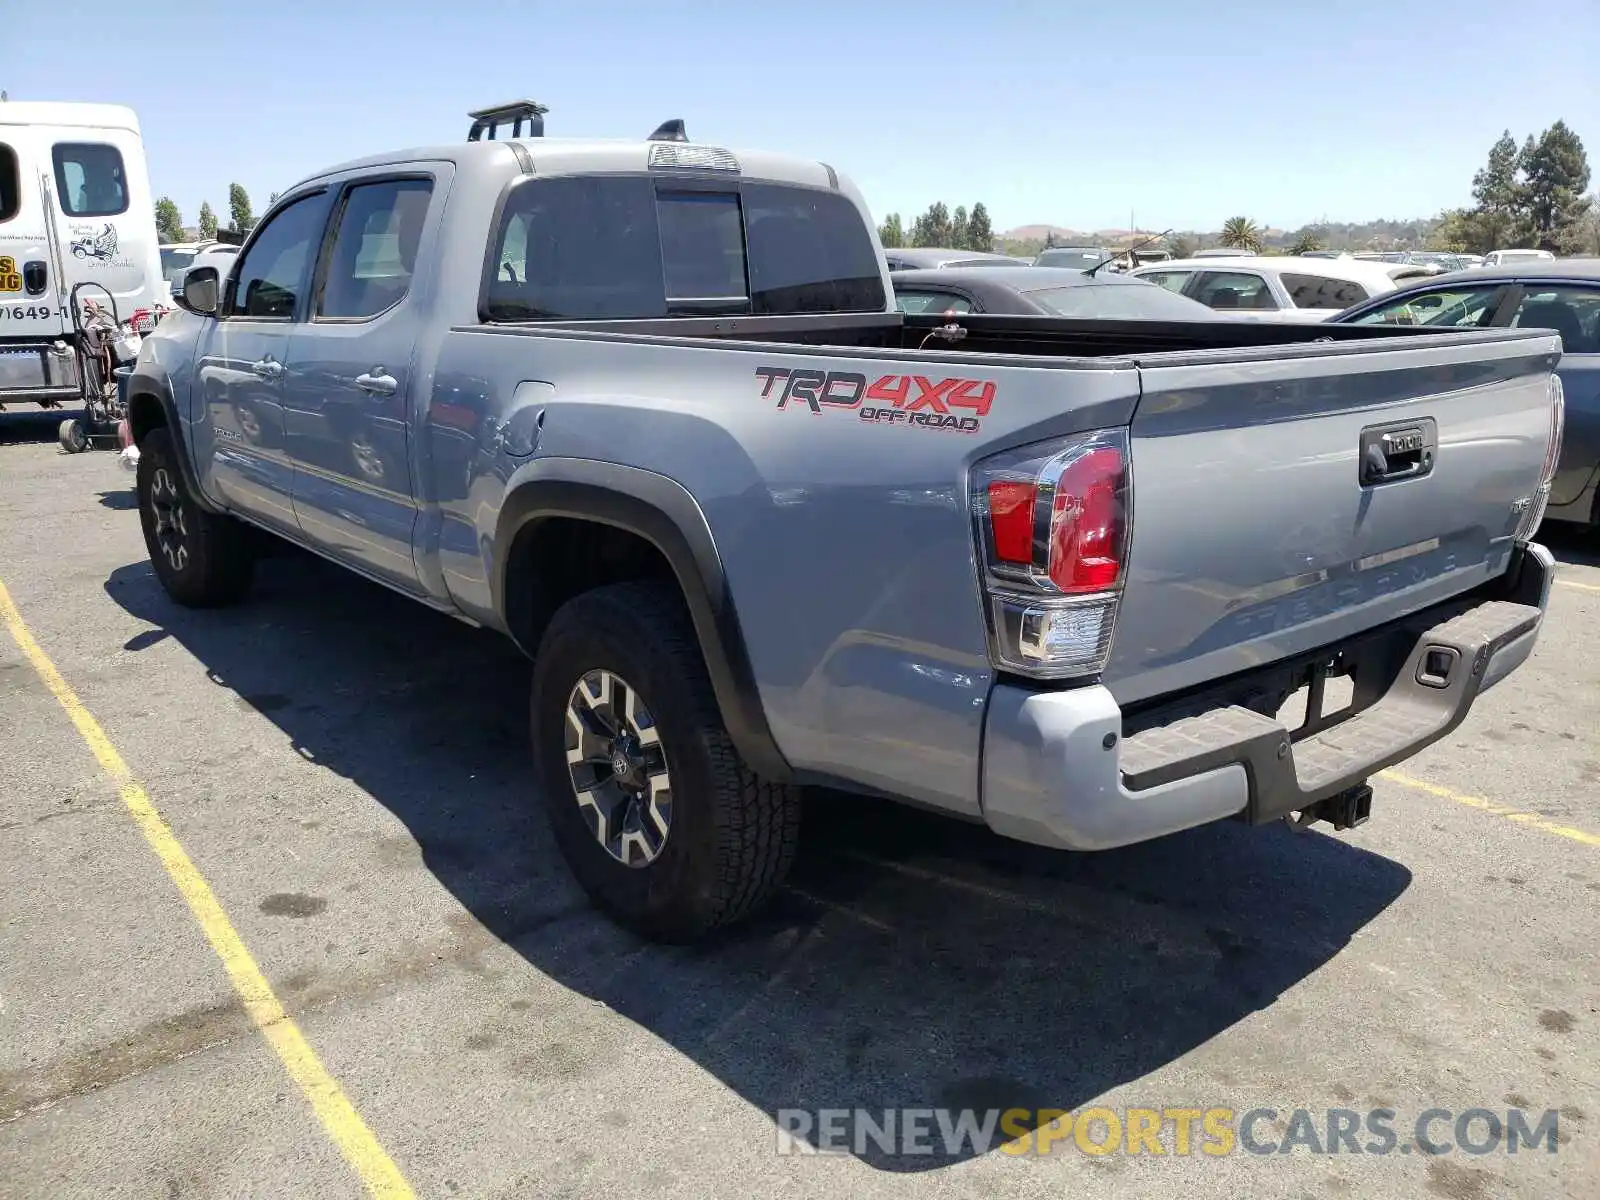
[(912, 961), (33, 425)]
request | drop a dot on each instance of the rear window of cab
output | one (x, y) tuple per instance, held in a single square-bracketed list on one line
[(623, 247)]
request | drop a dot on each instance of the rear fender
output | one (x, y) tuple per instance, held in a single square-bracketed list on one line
[(663, 513)]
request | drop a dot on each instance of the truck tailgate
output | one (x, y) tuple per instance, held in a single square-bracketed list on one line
[(1261, 528)]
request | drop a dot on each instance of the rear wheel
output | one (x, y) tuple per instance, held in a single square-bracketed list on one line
[(660, 820), (202, 559)]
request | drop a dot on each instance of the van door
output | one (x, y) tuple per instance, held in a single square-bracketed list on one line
[(32, 304), (104, 217)]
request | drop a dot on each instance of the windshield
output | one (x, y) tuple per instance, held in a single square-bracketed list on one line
[(1081, 259), (1512, 256), (175, 261), (1120, 302)]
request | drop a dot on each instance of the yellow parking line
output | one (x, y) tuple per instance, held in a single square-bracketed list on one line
[(333, 1108), (1582, 587), (1533, 820)]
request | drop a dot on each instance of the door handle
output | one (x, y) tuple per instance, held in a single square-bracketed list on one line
[(378, 382), (267, 368)]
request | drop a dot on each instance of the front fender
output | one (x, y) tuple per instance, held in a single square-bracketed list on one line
[(662, 512), (150, 405)]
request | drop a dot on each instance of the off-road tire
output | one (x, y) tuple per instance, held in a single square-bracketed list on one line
[(732, 836), (203, 559)]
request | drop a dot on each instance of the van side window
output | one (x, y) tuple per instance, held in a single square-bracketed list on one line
[(375, 249), (10, 183), (90, 179)]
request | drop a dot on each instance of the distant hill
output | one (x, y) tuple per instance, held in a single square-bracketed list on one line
[(1363, 235)]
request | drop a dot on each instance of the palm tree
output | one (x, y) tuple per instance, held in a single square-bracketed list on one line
[(1306, 241), (1241, 233)]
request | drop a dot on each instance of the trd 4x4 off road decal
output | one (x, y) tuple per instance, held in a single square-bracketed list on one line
[(914, 401)]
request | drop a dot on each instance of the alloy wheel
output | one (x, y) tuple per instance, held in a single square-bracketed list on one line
[(618, 768), (172, 529)]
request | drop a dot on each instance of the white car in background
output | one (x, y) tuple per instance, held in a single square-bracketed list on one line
[(1509, 258), (1278, 287)]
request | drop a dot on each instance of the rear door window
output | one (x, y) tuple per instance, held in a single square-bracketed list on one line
[(90, 179), (375, 248), (1233, 289), (1321, 291), (10, 183)]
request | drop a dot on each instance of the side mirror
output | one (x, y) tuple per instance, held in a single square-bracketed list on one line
[(199, 292)]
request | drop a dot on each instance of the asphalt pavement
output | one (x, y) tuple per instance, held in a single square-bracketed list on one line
[(345, 776)]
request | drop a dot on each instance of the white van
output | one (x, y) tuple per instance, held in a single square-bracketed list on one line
[(77, 224)]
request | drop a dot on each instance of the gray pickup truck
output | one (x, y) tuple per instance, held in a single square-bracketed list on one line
[(647, 409)]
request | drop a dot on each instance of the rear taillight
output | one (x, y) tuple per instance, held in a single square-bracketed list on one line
[(1052, 526), (1552, 455)]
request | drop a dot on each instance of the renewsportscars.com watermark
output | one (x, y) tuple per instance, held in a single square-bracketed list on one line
[(1214, 1132)]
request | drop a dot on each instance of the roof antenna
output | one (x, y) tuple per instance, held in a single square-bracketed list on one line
[(670, 131), (1130, 252)]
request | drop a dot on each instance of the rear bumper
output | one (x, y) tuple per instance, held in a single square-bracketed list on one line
[(1057, 770)]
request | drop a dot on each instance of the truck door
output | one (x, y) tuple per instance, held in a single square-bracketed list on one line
[(32, 302), (104, 217), (243, 363), (348, 392)]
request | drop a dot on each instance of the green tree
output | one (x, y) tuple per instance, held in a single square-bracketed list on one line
[(240, 219), (1181, 245), (208, 222), (980, 233), (1241, 233), (169, 221), (1555, 178), (932, 228), (958, 228), (1308, 239), (1497, 197), (272, 198), (892, 233), (1457, 231)]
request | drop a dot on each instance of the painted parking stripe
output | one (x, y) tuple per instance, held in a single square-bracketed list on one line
[(1582, 587), (327, 1099), (1532, 820)]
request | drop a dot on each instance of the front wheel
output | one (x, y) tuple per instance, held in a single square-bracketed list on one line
[(202, 559), (663, 824)]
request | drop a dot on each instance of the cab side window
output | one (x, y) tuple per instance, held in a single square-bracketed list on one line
[(273, 272), (10, 183), (90, 179), (375, 248)]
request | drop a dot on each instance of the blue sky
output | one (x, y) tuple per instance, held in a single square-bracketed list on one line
[(1068, 113)]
